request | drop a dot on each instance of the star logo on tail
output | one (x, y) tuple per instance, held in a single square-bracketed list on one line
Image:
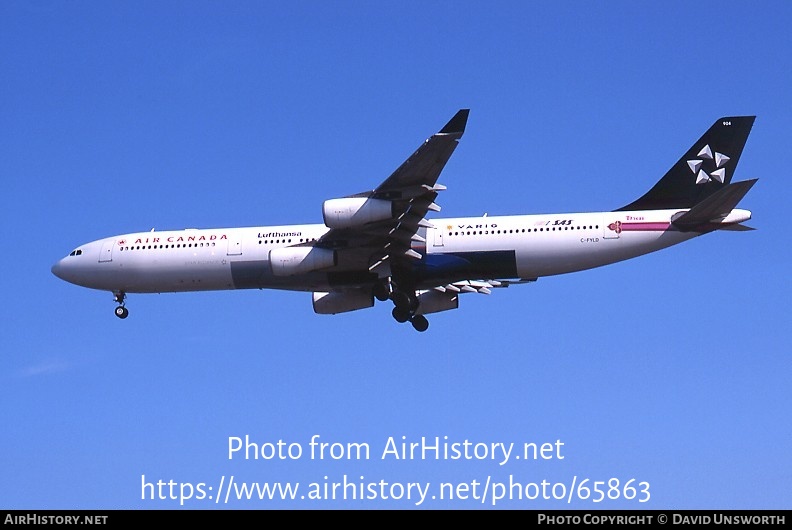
[(706, 159)]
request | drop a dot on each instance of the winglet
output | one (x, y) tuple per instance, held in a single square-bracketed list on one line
[(456, 125)]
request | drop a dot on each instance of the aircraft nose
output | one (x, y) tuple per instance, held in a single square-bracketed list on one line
[(67, 271), (59, 269)]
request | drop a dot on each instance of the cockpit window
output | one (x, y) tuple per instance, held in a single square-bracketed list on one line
[(77, 252)]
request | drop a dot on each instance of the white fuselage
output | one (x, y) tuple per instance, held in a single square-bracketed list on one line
[(519, 246)]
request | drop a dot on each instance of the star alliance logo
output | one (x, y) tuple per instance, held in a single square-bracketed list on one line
[(702, 177)]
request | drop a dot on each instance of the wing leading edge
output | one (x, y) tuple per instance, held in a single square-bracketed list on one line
[(411, 191)]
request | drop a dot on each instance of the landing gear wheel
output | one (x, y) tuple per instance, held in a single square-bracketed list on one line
[(381, 291), (401, 299), (401, 315), (405, 301), (420, 323), (120, 311)]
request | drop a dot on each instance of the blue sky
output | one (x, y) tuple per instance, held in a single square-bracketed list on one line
[(671, 369)]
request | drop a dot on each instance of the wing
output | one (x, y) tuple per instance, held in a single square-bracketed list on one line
[(445, 297), (377, 227)]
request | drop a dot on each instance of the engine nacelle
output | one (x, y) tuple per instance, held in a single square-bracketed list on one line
[(435, 301), (342, 301), (289, 261), (355, 211)]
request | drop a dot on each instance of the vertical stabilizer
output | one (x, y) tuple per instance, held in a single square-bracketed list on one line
[(707, 167)]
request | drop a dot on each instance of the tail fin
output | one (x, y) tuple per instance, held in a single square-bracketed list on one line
[(707, 167)]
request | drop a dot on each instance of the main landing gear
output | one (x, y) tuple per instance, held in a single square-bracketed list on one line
[(120, 311), (381, 291), (406, 305)]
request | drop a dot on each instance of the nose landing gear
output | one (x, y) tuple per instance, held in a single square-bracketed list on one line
[(120, 311)]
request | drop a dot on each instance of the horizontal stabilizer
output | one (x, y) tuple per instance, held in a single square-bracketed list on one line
[(738, 228), (716, 207)]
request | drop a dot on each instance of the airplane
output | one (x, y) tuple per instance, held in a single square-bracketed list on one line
[(380, 244)]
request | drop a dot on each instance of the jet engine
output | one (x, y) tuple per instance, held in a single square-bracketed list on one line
[(355, 211), (342, 301), (289, 261)]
